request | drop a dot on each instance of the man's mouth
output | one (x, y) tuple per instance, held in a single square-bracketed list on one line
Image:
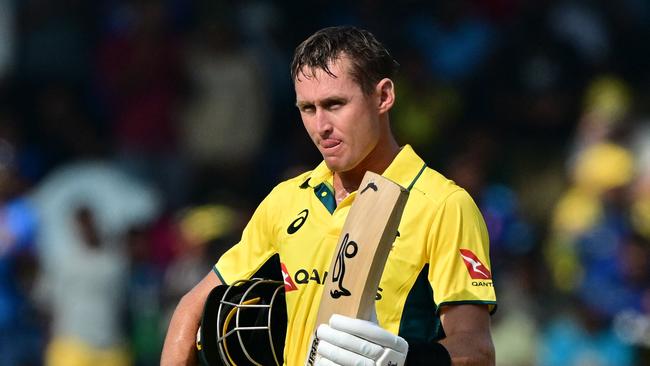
[(329, 143)]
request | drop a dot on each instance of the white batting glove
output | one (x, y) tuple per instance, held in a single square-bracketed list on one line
[(355, 342)]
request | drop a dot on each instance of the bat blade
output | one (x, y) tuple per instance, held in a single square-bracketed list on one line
[(363, 247)]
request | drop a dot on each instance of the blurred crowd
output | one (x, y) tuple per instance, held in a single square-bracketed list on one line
[(137, 137)]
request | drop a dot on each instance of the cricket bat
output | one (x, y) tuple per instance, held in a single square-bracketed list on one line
[(358, 262)]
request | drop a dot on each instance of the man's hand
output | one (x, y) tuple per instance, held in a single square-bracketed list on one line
[(348, 341)]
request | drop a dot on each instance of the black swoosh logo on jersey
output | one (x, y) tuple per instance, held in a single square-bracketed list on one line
[(297, 223), (348, 249), (371, 185)]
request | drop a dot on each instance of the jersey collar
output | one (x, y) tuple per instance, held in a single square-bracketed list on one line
[(403, 170)]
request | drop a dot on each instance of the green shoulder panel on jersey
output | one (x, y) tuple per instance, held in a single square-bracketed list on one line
[(419, 324)]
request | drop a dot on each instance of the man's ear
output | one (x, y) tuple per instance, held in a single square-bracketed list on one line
[(386, 91)]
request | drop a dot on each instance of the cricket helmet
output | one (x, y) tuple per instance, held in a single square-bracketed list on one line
[(244, 324)]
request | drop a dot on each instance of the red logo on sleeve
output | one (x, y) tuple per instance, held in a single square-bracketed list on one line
[(477, 270), (288, 282)]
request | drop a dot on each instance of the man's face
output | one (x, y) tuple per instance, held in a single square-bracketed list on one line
[(340, 119)]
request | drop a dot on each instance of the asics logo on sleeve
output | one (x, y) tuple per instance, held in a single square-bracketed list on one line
[(297, 223), (477, 270)]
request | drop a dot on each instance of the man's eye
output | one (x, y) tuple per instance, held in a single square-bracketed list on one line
[(307, 109), (334, 105)]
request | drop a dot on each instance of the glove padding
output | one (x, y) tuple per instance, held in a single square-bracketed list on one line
[(355, 342)]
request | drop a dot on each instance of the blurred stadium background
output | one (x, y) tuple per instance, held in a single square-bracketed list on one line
[(136, 138)]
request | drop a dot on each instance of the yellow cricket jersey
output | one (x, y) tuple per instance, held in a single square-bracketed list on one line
[(440, 257)]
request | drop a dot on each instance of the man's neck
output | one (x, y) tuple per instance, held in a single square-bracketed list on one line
[(377, 161)]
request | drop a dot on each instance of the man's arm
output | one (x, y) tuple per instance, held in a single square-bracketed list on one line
[(179, 348), (468, 339)]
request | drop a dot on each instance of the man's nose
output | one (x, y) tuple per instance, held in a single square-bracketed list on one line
[(323, 122)]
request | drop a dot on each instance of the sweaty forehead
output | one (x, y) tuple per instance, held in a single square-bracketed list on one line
[(319, 85), (334, 70)]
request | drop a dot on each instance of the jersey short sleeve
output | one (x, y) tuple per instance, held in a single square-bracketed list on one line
[(459, 254), (256, 246)]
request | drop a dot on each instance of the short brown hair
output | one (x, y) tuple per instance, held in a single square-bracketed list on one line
[(371, 61)]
